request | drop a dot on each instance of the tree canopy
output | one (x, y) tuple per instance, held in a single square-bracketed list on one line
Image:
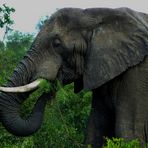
[(5, 13)]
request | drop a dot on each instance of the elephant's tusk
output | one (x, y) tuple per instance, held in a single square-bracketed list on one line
[(21, 89)]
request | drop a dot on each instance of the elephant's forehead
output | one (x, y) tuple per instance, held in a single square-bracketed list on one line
[(59, 29)]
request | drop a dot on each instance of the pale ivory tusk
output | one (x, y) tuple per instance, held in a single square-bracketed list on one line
[(21, 89)]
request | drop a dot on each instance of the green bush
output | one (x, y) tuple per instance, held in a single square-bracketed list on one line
[(122, 143), (65, 120)]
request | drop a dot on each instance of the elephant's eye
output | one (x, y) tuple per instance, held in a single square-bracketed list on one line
[(56, 42)]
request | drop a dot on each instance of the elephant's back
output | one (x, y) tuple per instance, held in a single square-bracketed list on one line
[(139, 17)]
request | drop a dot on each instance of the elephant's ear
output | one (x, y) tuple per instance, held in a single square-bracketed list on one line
[(118, 43)]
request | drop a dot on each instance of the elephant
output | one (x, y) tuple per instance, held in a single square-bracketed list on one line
[(103, 50)]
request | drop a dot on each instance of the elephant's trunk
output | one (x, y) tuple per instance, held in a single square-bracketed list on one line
[(10, 104), (18, 126)]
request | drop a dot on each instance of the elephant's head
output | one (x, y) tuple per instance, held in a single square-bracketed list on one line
[(88, 47)]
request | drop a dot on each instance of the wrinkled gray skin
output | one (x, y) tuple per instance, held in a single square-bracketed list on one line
[(103, 50)]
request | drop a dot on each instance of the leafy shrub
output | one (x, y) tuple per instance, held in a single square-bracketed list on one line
[(122, 143), (65, 120)]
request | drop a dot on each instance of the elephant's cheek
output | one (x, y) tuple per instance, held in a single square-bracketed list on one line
[(48, 70)]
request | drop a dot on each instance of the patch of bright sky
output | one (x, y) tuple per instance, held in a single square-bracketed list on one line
[(28, 12)]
